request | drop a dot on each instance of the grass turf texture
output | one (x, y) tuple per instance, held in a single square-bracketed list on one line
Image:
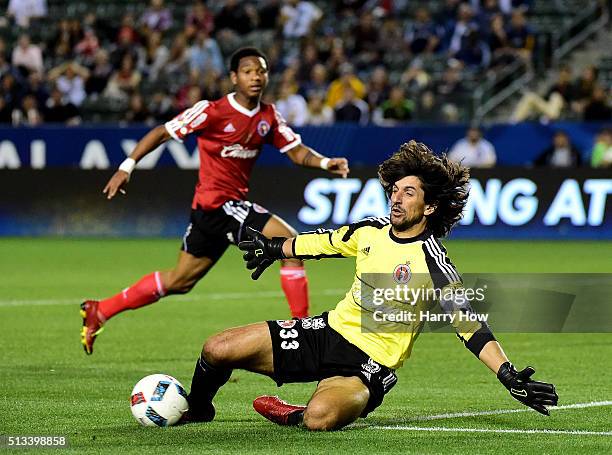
[(50, 387)]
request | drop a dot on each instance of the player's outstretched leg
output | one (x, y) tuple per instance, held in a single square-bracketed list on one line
[(247, 347), (337, 402), (293, 275), (149, 289)]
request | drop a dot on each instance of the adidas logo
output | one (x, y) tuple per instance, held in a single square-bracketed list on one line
[(366, 250), (229, 128)]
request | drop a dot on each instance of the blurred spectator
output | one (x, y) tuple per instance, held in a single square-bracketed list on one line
[(451, 85), (59, 111), (25, 10), (87, 47), (308, 58), (473, 150), (210, 86), (157, 17), (317, 83), (299, 18), (550, 107), (397, 109), (127, 33), (391, 39), (560, 154), (427, 108), (583, 89), (292, 106), (99, 74), (137, 111), (127, 42), (182, 94), (70, 79), (5, 112), (11, 91), (205, 55), (36, 86), (520, 35), (598, 108), (351, 108), (27, 57), (461, 27), (499, 44), (319, 113), (269, 13), (474, 52), (446, 15), (422, 34), (378, 88), (63, 41), (124, 81), (488, 10), (601, 155), (508, 5), (27, 114), (337, 90), (415, 78), (199, 18), (153, 57), (366, 35), (178, 61), (240, 19), (160, 107)]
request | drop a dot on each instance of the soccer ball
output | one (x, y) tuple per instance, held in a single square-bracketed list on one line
[(158, 400)]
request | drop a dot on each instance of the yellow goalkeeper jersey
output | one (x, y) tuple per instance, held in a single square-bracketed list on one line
[(418, 262)]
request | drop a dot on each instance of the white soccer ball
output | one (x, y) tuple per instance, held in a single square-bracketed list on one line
[(158, 400)]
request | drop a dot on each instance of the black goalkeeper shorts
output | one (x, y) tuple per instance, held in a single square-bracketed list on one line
[(308, 349), (210, 232)]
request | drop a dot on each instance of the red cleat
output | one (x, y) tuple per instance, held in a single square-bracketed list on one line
[(276, 410), (92, 324)]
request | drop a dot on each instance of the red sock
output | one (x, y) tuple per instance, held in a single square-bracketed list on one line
[(148, 290), (295, 287)]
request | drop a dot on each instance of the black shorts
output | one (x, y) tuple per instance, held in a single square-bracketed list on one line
[(309, 349), (210, 232)]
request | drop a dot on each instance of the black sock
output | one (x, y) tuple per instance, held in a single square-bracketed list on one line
[(206, 382), (295, 418)]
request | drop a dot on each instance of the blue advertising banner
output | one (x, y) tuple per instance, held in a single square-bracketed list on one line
[(105, 147), (511, 203)]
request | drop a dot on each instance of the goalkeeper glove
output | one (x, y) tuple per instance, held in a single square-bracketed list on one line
[(535, 394), (261, 251)]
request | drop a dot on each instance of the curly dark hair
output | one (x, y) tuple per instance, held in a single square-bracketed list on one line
[(245, 52), (445, 183)]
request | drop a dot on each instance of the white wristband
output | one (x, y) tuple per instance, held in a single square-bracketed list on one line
[(128, 165), (324, 164)]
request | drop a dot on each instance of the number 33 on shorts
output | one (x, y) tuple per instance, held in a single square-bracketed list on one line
[(288, 335)]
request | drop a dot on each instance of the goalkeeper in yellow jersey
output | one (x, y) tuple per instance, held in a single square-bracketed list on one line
[(352, 358)]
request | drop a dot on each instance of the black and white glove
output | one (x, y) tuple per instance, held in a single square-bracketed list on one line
[(535, 394), (261, 251)]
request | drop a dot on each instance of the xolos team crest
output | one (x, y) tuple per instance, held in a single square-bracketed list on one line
[(402, 273)]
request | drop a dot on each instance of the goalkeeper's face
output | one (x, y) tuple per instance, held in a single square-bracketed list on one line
[(408, 206)]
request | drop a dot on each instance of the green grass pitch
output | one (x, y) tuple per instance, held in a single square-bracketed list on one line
[(49, 387)]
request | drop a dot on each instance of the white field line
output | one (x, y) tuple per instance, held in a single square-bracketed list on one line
[(179, 298), (492, 430), (591, 404)]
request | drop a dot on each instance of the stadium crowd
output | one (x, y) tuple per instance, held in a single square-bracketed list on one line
[(360, 61)]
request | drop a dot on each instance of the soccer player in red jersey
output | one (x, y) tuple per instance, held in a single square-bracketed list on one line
[(230, 133)]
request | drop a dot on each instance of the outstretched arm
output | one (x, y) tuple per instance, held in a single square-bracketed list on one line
[(147, 144), (261, 252), (481, 342), (307, 157)]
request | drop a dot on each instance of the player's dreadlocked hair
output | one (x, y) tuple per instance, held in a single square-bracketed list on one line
[(445, 183), (245, 52)]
